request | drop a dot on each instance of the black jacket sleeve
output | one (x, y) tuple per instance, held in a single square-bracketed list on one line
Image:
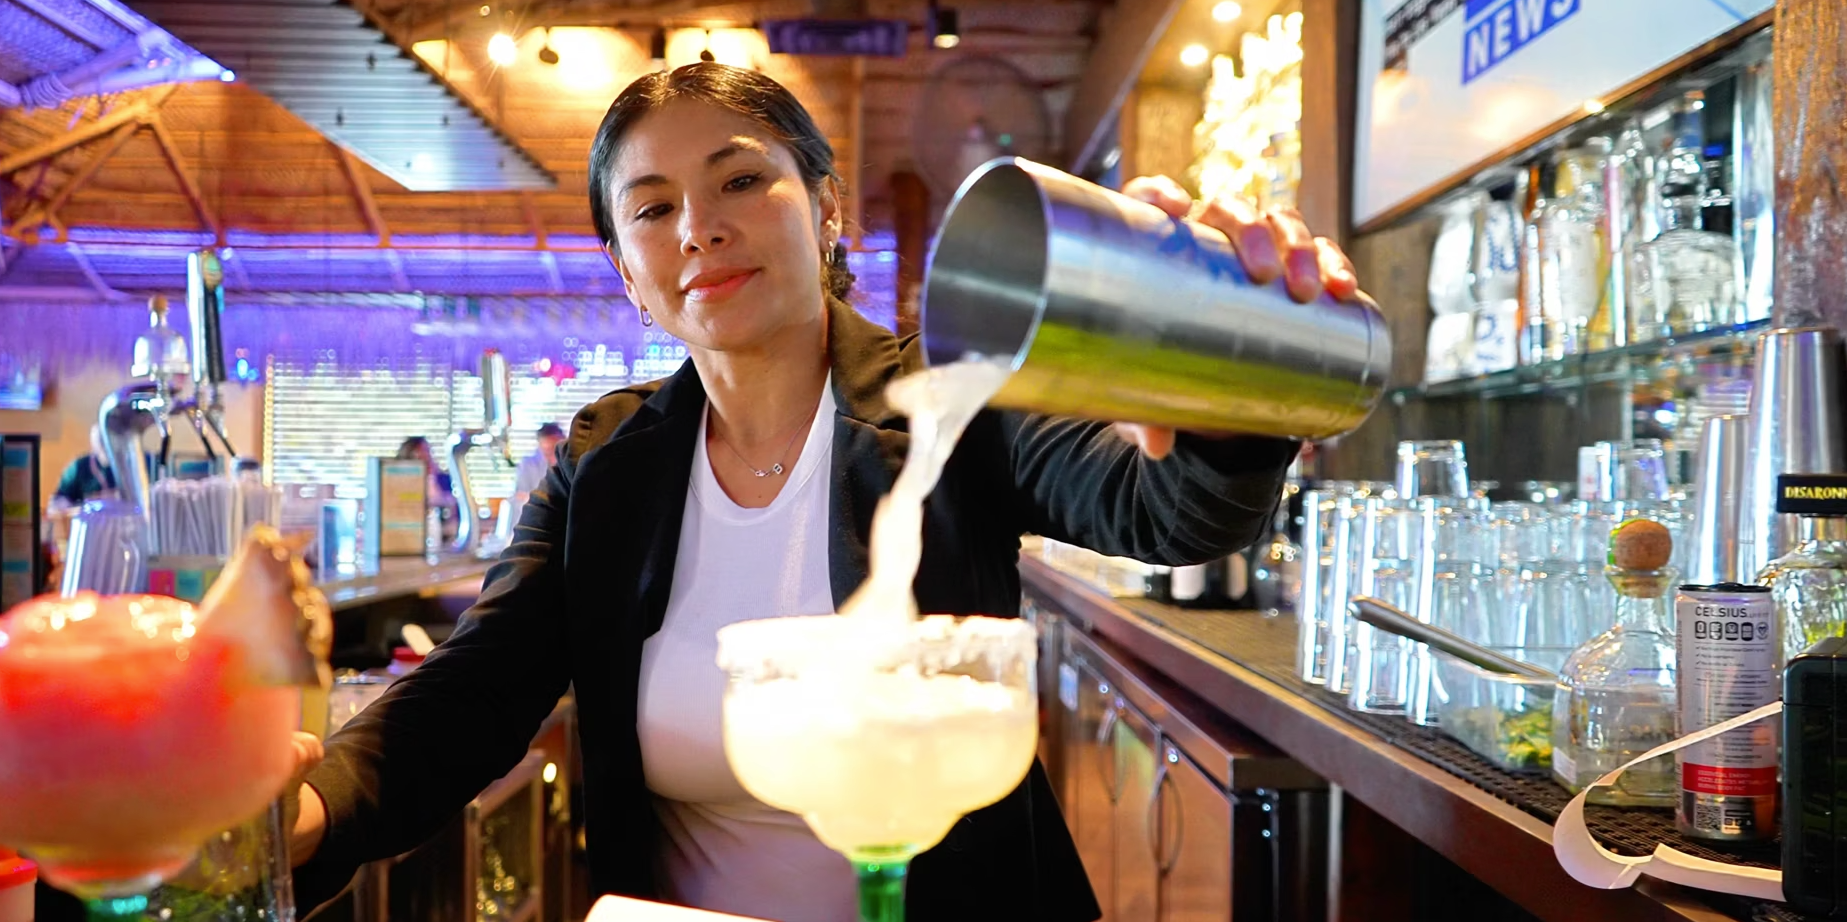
[(1081, 483), (404, 767)]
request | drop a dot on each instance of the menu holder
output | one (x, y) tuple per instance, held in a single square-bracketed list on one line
[(22, 558), (395, 507)]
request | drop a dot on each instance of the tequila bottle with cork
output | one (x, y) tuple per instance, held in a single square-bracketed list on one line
[(1616, 695)]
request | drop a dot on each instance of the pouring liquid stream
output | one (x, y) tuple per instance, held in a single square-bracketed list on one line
[(940, 402)]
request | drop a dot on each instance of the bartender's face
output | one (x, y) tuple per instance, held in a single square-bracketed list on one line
[(718, 237)]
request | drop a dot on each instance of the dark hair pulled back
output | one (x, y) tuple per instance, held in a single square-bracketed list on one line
[(734, 89)]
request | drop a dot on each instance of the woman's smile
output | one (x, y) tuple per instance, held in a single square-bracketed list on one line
[(718, 284)]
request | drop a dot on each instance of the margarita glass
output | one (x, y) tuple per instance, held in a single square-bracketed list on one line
[(880, 733), (133, 728)]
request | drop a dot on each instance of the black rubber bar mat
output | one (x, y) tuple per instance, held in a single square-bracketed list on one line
[(1266, 646)]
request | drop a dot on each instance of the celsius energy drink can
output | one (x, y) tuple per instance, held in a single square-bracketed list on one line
[(1727, 664)]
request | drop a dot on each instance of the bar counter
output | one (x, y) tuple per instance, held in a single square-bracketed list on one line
[(1501, 845), (397, 577)]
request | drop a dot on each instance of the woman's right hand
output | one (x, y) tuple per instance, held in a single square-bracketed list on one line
[(303, 813)]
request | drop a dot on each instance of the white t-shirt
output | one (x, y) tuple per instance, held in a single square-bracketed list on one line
[(725, 850)]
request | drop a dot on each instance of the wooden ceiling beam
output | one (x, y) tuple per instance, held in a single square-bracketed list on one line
[(362, 194), (188, 183), (857, 130), (39, 214), (529, 206), (399, 277), (138, 112)]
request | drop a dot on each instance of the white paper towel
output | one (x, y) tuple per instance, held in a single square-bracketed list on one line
[(1593, 865)]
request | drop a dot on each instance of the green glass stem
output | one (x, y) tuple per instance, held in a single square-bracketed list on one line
[(881, 889), (117, 909)]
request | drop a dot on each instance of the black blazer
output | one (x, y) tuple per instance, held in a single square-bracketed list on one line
[(586, 581)]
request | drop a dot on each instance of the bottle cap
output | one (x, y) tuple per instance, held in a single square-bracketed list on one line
[(16, 871), (1817, 495)]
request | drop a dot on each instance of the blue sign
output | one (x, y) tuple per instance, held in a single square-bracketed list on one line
[(1499, 28), (869, 37)]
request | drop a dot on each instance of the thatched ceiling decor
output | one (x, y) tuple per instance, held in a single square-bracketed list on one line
[(336, 69), (260, 172)]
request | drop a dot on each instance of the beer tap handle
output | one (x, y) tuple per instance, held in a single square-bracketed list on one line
[(216, 422)]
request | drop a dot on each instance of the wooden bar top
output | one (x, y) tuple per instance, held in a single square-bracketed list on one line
[(395, 577), (1503, 846)]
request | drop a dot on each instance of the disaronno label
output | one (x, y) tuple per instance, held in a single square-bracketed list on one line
[(1812, 494)]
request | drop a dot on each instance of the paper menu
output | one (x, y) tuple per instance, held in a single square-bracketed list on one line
[(20, 564), (395, 509)]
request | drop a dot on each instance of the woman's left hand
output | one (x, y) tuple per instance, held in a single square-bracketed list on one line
[(1271, 244)]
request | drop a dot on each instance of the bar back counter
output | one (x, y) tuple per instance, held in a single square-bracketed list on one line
[(1204, 781)]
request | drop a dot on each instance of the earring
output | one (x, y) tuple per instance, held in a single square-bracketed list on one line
[(647, 319)]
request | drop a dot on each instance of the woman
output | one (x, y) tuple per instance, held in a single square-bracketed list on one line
[(743, 487)]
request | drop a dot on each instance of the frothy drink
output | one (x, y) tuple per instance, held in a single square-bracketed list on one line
[(878, 727)]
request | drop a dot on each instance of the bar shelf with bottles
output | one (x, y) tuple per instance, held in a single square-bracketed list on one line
[(1635, 362), (1636, 239)]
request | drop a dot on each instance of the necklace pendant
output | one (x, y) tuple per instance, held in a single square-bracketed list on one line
[(776, 468), (759, 473)]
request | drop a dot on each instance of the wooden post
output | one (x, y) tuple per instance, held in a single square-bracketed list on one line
[(1810, 108), (910, 211), (1330, 60)]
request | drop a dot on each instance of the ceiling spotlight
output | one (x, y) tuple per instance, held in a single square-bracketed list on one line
[(502, 50), (657, 45), (546, 53), (486, 10), (943, 28), (1226, 11), (1194, 55)]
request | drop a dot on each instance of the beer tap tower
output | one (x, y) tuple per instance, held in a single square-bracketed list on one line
[(497, 423)]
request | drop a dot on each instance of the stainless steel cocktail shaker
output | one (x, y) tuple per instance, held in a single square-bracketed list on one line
[(1111, 309)]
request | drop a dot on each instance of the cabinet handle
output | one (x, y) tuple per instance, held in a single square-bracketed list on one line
[(1105, 727), (1164, 858)]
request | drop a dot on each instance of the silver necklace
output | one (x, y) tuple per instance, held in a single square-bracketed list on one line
[(776, 468)]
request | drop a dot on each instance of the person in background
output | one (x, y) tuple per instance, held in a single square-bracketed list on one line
[(86, 478), (532, 468)]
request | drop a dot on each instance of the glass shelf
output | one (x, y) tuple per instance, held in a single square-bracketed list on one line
[(1579, 371)]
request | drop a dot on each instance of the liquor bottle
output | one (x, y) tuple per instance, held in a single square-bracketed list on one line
[(1160, 584), (1573, 253), (1808, 585), (1687, 278), (160, 352), (1616, 695), (1534, 344), (1276, 579)]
